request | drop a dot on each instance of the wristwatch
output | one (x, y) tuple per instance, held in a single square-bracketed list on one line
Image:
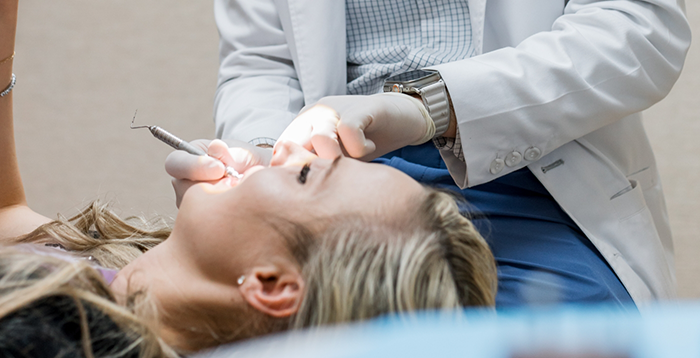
[(431, 88), (263, 142)]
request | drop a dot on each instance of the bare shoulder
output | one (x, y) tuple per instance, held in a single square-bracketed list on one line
[(18, 220)]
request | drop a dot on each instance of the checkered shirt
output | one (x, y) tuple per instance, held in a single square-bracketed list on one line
[(388, 37)]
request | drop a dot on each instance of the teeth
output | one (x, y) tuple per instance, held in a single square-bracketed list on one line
[(233, 173)]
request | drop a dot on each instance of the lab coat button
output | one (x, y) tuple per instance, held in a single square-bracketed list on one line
[(513, 159), (533, 153), (497, 166)]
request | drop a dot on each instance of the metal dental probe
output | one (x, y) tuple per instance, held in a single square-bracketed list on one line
[(179, 144)]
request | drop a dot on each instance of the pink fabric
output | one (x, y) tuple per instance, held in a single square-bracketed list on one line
[(60, 253)]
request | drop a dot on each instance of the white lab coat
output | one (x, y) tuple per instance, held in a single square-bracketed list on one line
[(568, 88)]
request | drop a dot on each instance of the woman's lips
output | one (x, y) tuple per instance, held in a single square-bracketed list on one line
[(225, 183), (228, 182)]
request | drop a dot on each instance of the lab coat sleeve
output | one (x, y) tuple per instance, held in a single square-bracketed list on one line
[(601, 61), (258, 92)]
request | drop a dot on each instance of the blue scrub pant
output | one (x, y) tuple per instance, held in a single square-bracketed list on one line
[(542, 256)]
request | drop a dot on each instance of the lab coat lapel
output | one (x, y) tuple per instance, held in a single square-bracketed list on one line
[(477, 14), (316, 36)]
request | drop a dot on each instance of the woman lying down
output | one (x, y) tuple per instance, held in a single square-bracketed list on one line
[(247, 260), (304, 242), (287, 247)]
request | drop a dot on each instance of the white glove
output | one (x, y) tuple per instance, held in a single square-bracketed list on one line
[(187, 169), (363, 127)]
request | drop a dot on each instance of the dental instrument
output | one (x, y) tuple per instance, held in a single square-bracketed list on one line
[(179, 144)]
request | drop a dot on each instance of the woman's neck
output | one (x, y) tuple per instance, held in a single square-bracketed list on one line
[(183, 297), (144, 273)]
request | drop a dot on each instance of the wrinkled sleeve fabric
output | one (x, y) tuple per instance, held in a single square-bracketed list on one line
[(601, 61), (258, 92)]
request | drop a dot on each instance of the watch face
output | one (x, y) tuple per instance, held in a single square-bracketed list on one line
[(411, 80)]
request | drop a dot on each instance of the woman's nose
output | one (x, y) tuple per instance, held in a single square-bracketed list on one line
[(290, 153)]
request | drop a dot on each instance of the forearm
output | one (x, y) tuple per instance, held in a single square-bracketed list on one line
[(258, 93), (8, 27), (254, 107), (11, 190), (602, 61)]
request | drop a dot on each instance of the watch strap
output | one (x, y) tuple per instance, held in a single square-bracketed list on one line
[(263, 142), (435, 99)]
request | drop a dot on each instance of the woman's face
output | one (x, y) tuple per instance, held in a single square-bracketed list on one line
[(226, 251), (298, 187)]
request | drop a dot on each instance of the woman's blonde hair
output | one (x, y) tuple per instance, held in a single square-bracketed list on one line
[(47, 297), (98, 232), (355, 268), (432, 258)]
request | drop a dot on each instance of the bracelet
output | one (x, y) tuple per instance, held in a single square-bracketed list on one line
[(10, 87), (8, 58)]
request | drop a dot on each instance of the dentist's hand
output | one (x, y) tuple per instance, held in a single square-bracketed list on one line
[(364, 127), (187, 169)]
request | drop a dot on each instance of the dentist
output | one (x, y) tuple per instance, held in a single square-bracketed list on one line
[(531, 109)]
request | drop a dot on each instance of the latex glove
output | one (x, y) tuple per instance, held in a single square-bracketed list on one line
[(363, 127), (187, 169)]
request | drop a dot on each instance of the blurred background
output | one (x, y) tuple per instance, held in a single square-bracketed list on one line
[(83, 67)]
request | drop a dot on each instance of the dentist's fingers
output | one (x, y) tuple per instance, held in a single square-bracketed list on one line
[(182, 165), (290, 153), (181, 186), (219, 150), (241, 157), (351, 131), (299, 132), (316, 121), (324, 138)]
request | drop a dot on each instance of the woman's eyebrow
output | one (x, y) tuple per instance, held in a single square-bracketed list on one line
[(330, 170)]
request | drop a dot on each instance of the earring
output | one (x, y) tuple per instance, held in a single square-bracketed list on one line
[(241, 280)]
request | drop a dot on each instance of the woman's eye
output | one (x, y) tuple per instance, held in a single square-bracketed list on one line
[(304, 172)]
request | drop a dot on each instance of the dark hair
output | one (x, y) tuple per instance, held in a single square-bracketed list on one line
[(53, 327), (50, 307)]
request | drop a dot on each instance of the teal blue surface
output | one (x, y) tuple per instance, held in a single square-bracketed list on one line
[(574, 331)]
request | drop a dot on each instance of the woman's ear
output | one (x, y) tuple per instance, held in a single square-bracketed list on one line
[(274, 291)]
